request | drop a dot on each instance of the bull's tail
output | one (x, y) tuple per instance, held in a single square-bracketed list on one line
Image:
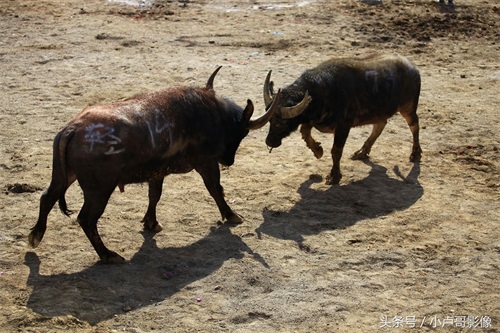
[(59, 164)]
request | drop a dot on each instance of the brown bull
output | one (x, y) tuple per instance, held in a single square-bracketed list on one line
[(144, 139)]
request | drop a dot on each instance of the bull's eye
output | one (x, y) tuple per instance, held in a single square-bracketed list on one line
[(280, 124)]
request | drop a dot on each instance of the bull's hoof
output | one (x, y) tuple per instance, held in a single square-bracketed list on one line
[(112, 258), (318, 151), (34, 239), (360, 155), (158, 227), (333, 179), (415, 156), (234, 219), (152, 225)]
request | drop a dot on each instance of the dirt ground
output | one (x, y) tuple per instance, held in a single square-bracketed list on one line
[(396, 247)]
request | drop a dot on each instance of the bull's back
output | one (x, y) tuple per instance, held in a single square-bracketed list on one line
[(147, 136)]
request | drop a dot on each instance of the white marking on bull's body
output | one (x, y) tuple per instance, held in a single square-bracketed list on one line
[(372, 76), (122, 114), (116, 139), (390, 74), (160, 121), (157, 125), (151, 135), (153, 143), (163, 124), (100, 133), (95, 133), (112, 151), (378, 78)]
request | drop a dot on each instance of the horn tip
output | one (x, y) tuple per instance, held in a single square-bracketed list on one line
[(210, 82)]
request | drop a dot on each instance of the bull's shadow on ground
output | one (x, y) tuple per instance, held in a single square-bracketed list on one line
[(339, 207), (102, 291)]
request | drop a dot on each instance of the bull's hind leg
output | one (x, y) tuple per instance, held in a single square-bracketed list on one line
[(93, 207), (211, 177), (367, 146), (154, 193), (412, 121), (47, 202)]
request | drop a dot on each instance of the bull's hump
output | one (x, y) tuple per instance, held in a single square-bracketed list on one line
[(371, 61)]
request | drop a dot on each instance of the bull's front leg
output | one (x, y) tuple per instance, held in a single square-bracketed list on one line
[(154, 193), (312, 144), (211, 177), (340, 137)]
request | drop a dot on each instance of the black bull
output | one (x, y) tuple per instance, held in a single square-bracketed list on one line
[(143, 139), (343, 93)]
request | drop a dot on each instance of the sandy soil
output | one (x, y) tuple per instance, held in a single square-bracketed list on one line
[(396, 244)]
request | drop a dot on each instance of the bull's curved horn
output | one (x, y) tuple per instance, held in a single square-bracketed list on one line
[(268, 93), (294, 111), (254, 124), (210, 82)]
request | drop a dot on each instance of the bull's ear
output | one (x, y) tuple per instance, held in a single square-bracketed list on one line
[(248, 112)]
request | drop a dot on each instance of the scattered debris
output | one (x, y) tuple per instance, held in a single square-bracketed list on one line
[(21, 188)]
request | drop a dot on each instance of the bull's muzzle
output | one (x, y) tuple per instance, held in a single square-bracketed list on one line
[(273, 142)]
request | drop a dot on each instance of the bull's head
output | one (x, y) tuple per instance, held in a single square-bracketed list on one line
[(241, 121), (247, 122), (293, 102)]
